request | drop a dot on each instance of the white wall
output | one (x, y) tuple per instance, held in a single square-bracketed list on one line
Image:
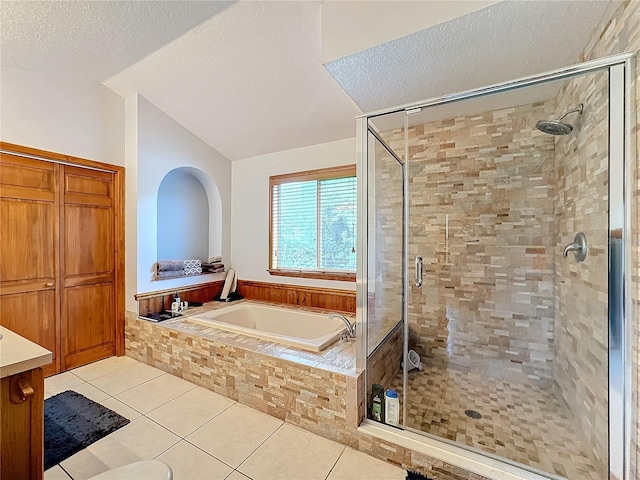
[(250, 206), (131, 202), (164, 145), (183, 217), (73, 117)]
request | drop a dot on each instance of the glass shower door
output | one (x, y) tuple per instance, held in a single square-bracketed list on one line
[(384, 334), (512, 333)]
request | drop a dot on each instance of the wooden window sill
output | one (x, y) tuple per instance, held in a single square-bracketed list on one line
[(344, 277)]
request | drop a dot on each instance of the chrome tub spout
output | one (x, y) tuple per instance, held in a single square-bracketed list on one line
[(351, 327)]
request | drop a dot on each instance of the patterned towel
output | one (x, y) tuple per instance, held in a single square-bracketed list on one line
[(192, 267)]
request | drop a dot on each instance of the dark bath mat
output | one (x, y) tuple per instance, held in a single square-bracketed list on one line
[(73, 422), (416, 476)]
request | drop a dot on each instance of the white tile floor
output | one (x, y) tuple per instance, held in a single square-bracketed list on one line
[(200, 434)]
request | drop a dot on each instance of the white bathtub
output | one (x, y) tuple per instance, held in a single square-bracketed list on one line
[(288, 326)]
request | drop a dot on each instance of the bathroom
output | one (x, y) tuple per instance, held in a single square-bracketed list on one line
[(456, 321)]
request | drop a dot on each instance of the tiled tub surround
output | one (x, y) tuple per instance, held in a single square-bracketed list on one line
[(320, 392), (308, 389)]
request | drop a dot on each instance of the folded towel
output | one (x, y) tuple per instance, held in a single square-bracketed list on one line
[(214, 259), (169, 265), (170, 274), (213, 269), (212, 265), (193, 270)]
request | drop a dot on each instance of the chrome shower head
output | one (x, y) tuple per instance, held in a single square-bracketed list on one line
[(556, 126)]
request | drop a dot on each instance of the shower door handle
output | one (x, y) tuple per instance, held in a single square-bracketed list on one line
[(418, 271)]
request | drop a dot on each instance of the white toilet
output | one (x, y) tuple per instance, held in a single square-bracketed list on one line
[(143, 470)]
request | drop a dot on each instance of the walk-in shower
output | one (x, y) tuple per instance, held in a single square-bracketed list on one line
[(501, 256)]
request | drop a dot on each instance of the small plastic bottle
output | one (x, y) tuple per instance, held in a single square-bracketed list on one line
[(391, 407)]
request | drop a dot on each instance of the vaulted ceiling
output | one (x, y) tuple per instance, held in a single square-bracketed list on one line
[(247, 77)]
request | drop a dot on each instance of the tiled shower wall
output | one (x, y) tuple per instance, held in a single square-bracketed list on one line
[(618, 32), (488, 284), (581, 288)]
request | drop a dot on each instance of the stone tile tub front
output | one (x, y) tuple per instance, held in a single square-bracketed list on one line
[(310, 389)]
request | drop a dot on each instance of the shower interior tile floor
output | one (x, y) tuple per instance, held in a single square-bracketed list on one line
[(524, 423), (200, 434)]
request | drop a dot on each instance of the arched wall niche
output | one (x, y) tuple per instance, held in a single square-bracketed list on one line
[(189, 215)]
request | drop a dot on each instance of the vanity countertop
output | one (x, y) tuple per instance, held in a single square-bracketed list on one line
[(17, 354)]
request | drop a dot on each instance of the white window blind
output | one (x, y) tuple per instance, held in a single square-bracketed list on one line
[(313, 221)]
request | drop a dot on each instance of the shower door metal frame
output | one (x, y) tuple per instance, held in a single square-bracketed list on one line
[(622, 310)]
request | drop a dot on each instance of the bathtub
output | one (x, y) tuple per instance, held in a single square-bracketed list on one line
[(287, 326)]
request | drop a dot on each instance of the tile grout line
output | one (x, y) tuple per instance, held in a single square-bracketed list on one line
[(137, 385), (180, 437), (344, 448), (62, 468), (256, 449), (211, 455)]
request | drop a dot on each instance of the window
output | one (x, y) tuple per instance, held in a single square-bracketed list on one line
[(313, 224)]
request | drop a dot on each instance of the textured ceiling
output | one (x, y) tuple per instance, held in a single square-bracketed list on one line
[(92, 40), (247, 77), (249, 81), (502, 42)]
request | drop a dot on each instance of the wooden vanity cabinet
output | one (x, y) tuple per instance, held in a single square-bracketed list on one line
[(22, 426)]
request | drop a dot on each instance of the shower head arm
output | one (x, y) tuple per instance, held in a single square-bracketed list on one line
[(578, 109)]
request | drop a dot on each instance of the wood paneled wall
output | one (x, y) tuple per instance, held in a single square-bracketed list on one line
[(338, 300), (161, 300)]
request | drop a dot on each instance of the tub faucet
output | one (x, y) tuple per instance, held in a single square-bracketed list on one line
[(351, 327)]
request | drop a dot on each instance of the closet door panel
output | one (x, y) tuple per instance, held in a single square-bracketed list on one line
[(27, 179), (31, 315), (27, 227), (29, 252), (88, 304), (89, 242), (88, 187), (90, 311)]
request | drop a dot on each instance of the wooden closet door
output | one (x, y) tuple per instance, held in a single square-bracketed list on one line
[(28, 251), (88, 260)]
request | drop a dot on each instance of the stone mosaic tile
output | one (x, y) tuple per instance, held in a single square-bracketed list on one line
[(524, 423), (482, 190), (618, 31)]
